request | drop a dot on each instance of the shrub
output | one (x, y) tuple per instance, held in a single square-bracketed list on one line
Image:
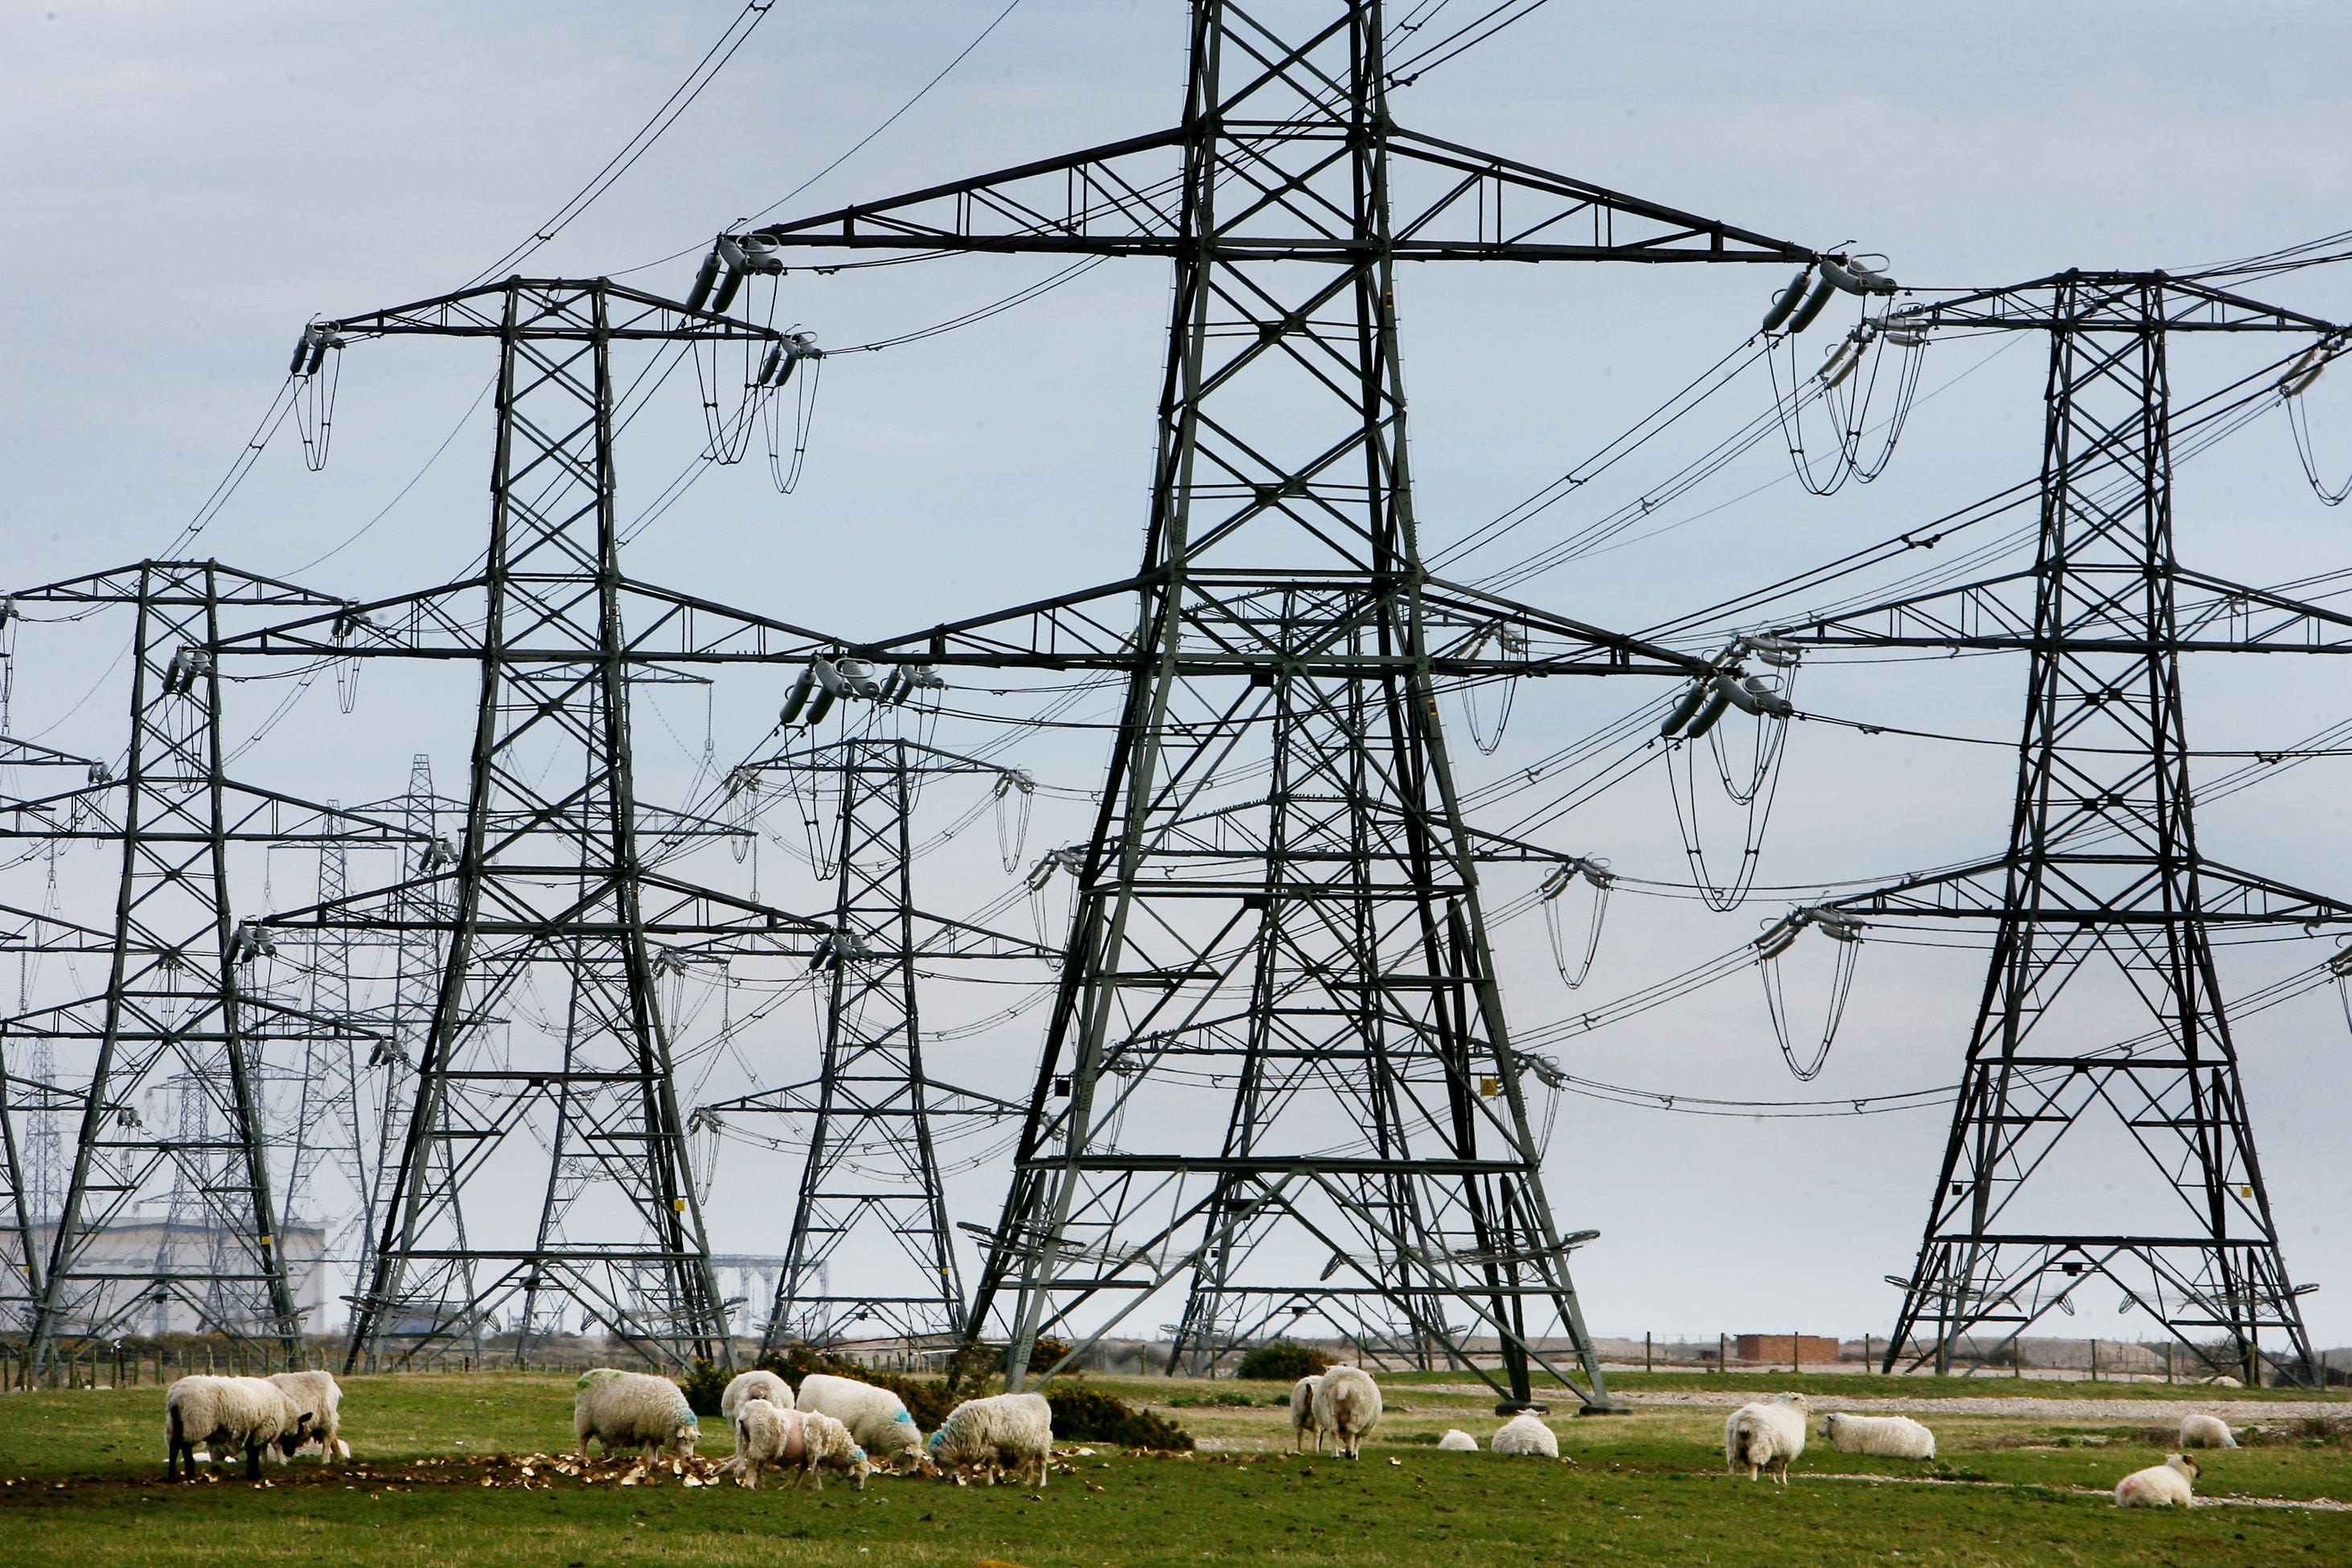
[(1088, 1415), (704, 1387), (1226, 1401), (1283, 1361)]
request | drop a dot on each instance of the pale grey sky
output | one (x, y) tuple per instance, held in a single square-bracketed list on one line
[(185, 187)]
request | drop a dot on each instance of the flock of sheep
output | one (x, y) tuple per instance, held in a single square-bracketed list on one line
[(842, 1426), (1767, 1434)]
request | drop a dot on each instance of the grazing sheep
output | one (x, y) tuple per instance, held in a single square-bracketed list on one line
[(1767, 1433), (876, 1417), (806, 1442), (1347, 1405), (764, 1385), (1888, 1436), (633, 1410), (322, 1396), (226, 1413), (1457, 1441), (2160, 1486), (1524, 1433), (2205, 1432), (1014, 1429), (1302, 1415)]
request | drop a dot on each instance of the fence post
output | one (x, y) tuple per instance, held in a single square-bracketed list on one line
[(2095, 1360), (1649, 1355), (1722, 1352)]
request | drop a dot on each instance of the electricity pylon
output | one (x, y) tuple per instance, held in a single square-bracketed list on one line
[(547, 1069), (2103, 863), (178, 1010), (1279, 1073), (872, 1171)]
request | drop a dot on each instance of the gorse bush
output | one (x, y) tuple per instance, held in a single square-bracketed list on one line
[(1283, 1361), (704, 1386), (1088, 1415)]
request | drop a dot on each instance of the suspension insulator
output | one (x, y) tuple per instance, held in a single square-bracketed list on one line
[(1776, 941), (820, 707), (1841, 363), (829, 678), (799, 697), (2304, 371), (1684, 710), (1786, 302), (304, 349), (1814, 303), (1707, 716), (769, 367), (730, 255), (1857, 279), (703, 280)]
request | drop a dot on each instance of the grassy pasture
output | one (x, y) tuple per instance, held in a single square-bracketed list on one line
[(81, 1484)]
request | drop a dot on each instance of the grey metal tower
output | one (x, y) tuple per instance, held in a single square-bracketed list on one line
[(2102, 905), (176, 1009), (547, 1067), (872, 1172), (1278, 1076)]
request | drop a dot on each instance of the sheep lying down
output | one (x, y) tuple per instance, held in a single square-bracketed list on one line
[(2168, 1485), (1886, 1436)]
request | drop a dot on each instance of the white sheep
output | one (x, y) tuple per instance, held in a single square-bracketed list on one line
[(1302, 1415), (633, 1410), (806, 1442), (1347, 1405), (1525, 1433), (876, 1417), (2205, 1432), (226, 1413), (1457, 1441), (2160, 1486), (1014, 1430), (1767, 1433), (755, 1384), (322, 1396), (1886, 1436)]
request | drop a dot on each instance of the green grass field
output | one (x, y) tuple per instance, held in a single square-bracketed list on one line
[(82, 1483)]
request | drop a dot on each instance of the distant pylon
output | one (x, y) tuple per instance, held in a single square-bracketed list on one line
[(2102, 864)]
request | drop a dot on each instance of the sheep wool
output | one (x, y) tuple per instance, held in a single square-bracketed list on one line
[(1012, 1431), (319, 1393), (1457, 1441), (876, 1417), (1525, 1434), (764, 1385), (225, 1413), (2198, 1431), (2161, 1485), (805, 1442), (1888, 1436), (1767, 1434), (633, 1410), (1347, 1405), (1302, 1415)]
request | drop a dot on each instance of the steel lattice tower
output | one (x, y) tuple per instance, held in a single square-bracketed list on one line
[(1277, 1073), (548, 905), (872, 1166), (176, 1012), (2103, 881)]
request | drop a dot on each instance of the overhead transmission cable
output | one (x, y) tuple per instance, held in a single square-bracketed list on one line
[(738, 32)]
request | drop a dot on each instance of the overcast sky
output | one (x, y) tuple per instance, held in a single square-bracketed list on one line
[(186, 185)]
